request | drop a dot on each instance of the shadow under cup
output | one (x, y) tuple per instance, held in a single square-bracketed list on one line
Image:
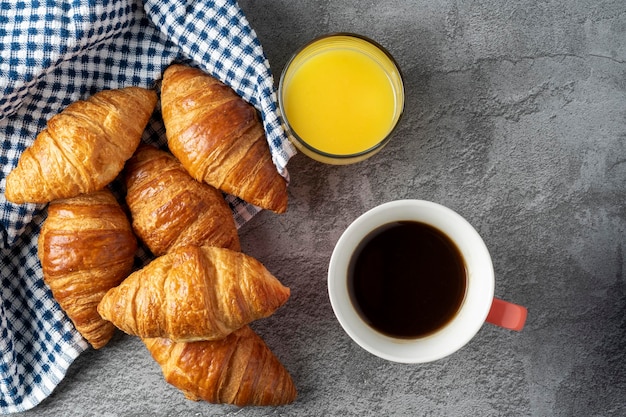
[(471, 314)]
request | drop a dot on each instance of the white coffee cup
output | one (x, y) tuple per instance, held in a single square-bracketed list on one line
[(478, 306)]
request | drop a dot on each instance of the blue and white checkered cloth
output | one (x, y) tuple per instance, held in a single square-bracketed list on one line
[(53, 52)]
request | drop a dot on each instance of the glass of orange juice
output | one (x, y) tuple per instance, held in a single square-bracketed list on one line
[(341, 96)]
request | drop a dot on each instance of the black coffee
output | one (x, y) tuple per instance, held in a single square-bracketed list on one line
[(407, 279)]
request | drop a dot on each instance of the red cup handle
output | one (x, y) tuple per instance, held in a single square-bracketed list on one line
[(507, 315)]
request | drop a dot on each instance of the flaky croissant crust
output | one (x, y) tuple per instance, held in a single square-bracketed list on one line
[(219, 138), (194, 293), (86, 247), (170, 209), (83, 148), (239, 369)]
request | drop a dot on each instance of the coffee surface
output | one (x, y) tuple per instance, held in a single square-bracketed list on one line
[(407, 279)]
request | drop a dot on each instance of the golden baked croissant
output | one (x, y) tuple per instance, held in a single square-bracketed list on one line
[(239, 369), (170, 209), (219, 138), (193, 293), (83, 148), (86, 247)]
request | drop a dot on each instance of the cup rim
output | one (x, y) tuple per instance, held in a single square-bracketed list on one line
[(473, 311), (327, 156)]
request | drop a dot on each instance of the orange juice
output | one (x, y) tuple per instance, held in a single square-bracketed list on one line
[(341, 96)]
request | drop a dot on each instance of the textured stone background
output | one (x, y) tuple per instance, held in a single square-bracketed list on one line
[(515, 118)]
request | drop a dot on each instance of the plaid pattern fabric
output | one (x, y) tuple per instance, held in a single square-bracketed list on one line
[(55, 52)]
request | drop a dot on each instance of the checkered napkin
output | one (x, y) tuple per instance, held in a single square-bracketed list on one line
[(53, 52)]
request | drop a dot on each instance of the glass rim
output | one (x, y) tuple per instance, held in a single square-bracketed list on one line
[(332, 156)]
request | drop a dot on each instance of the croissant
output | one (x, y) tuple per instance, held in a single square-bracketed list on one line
[(193, 293), (86, 247), (239, 369), (83, 148), (170, 209), (219, 138)]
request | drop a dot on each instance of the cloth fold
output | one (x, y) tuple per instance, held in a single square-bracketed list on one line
[(54, 53)]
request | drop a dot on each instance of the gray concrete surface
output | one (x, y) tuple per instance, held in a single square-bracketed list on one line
[(515, 118)]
